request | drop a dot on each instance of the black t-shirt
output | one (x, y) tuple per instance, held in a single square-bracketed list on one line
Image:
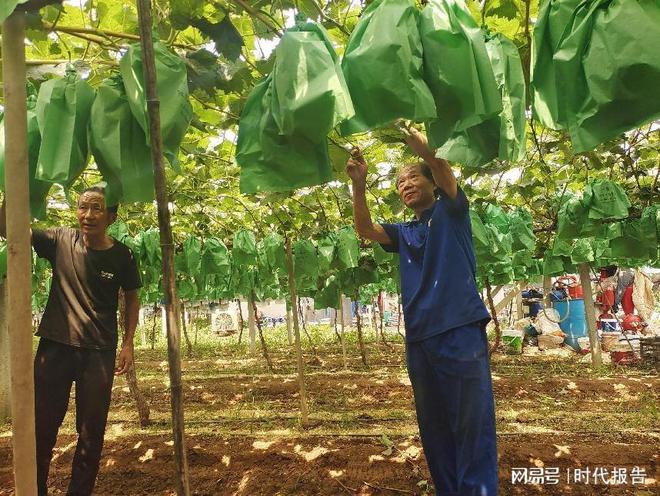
[(82, 304)]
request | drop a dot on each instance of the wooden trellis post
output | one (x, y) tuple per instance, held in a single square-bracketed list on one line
[(590, 315), (293, 295), (19, 253), (167, 248)]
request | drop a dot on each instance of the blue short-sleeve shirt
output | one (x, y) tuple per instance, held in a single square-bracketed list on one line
[(438, 267)]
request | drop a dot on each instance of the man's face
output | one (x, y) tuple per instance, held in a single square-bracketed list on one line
[(415, 189), (93, 217)]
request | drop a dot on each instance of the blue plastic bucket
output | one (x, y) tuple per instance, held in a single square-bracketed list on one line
[(575, 325)]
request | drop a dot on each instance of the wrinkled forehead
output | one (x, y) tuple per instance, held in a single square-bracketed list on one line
[(92, 197), (407, 171)]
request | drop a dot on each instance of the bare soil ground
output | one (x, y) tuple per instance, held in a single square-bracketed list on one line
[(244, 435)]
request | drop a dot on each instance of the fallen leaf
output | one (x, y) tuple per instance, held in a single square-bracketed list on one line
[(137, 445), (561, 450), (262, 445), (311, 455), (149, 455)]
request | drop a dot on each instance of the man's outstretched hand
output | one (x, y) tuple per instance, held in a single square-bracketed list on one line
[(418, 143), (356, 167)]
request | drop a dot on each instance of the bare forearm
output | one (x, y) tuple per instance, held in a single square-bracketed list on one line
[(443, 175), (361, 214), (130, 321), (364, 226)]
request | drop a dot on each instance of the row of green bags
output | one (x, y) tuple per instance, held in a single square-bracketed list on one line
[(437, 66), (69, 118), (601, 199), (282, 134), (38, 189), (209, 270), (119, 129), (592, 70)]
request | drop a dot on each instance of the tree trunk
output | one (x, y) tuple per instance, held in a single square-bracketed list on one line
[(252, 328), (547, 290), (358, 317), (372, 318), (289, 325), (334, 324), (193, 321), (19, 254), (296, 330), (5, 372), (167, 248), (304, 326), (590, 314), (520, 312), (143, 329), (131, 376), (189, 347), (381, 316), (264, 347), (341, 336), (493, 312), (153, 328), (241, 322)]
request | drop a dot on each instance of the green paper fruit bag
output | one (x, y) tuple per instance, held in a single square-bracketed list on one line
[(457, 70), (38, 189), (270, 161), (63, 111), (502, 136), (382, 65), (310, 96), (172, 86), (119, 146)]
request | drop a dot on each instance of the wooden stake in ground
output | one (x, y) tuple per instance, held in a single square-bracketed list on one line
[(341, 335), (241, 322), (262, 340), (590, 314), (289, 324), (358, 324), (252, 328), (189, 346), (153, 328), (296, 332), (131, 376), (19, 253), (167, 247)]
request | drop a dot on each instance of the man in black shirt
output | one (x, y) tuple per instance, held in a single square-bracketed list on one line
[(79, 336)]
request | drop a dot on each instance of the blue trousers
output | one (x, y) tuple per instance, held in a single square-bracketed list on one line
[(450, 376)]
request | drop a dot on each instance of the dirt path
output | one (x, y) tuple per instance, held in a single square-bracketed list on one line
[(244, 438)]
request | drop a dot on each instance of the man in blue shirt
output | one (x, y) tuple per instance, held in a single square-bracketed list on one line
[(446, 346)]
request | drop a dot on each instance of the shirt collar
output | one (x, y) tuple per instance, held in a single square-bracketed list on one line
[(426, 214)]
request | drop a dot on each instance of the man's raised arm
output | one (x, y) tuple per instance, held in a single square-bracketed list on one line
[(443, 176), (356, 168)]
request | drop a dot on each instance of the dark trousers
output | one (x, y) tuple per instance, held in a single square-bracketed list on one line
[(56, 367), (450, 375)]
